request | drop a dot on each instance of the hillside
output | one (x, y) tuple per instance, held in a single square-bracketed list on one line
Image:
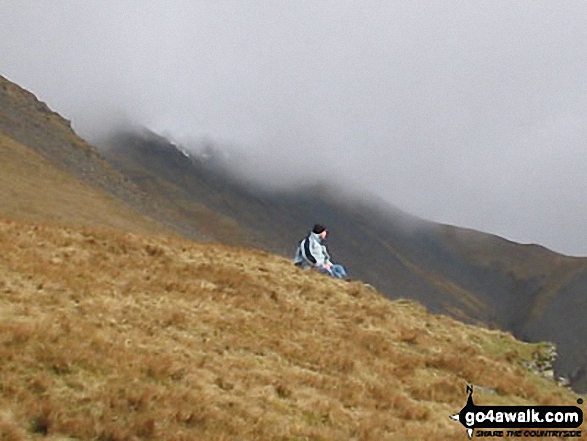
[(365, 238), (31, 123), (475, 277), (117, 336), (50, 173), (35, 190), (144, 183)]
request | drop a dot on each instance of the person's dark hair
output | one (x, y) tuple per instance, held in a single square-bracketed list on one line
[(318, 229)]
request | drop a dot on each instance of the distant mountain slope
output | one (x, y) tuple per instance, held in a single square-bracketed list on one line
[(272, 221), (33, 189), (49, 173), (472, 276), (32, 123), (545, 297), (114, 336)]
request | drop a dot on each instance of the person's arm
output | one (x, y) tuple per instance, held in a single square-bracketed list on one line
[(327, 262)]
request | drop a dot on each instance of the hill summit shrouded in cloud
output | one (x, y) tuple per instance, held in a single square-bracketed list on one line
[(469, 275), (459, 112), (113, 326)]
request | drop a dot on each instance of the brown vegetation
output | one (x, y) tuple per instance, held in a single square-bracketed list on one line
[(108, 335), (49, 174)]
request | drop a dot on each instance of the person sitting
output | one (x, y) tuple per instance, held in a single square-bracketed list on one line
[(312, 253)]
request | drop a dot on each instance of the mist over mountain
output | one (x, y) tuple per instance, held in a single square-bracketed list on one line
[(464, 113), (472, 276), (147, 288), (533, 292)]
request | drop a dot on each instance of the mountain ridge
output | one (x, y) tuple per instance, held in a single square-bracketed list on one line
[(473, 276)]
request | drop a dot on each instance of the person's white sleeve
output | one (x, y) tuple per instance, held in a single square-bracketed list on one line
[(318, 253), (326, 255)]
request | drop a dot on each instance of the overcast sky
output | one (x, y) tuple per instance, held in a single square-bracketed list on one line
[(464, 112)]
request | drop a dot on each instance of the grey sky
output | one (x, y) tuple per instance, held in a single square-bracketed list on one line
[(464, 112)]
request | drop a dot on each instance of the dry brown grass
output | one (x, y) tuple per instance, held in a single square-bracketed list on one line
[(116, 336)]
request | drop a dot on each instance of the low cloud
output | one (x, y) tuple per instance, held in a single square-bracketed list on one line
[(468, 113)]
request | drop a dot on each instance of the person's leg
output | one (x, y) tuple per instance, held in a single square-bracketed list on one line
[(338, 271)]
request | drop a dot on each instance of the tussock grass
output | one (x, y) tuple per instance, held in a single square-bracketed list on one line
[(118, 336)]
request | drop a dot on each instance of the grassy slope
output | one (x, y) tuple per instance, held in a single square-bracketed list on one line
[(475, 277), (112, 335), (466, 273), (276, 221), (35, 190)]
